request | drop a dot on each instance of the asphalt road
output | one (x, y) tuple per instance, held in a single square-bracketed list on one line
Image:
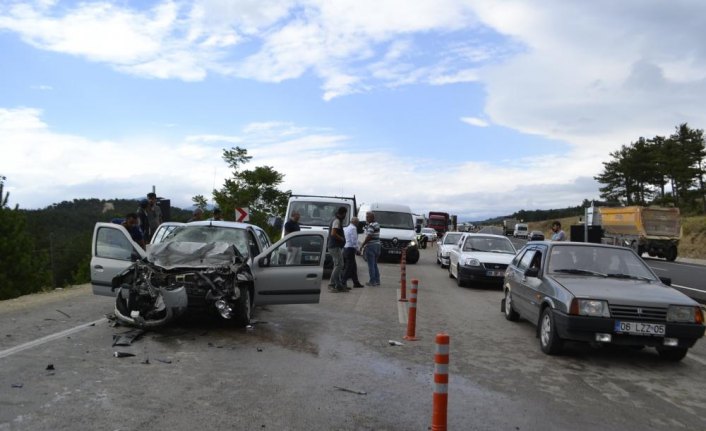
[(282, 373)]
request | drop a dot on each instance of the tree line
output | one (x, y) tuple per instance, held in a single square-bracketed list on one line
[(663, 170)]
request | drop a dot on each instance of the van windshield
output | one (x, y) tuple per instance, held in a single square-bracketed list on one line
[(394, 220), (318, 213)]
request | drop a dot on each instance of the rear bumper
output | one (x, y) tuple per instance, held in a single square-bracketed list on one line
[(478, 274), (582, 328)]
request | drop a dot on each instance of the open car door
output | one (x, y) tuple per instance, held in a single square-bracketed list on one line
[(112, 251), (291, 270)]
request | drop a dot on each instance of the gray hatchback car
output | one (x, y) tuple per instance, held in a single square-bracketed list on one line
[(600, 294)]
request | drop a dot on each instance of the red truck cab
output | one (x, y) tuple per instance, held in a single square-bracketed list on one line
[(439, 221)]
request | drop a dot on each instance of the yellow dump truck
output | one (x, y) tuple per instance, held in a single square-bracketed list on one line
[(653, 230)]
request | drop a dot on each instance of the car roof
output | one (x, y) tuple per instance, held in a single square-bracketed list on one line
[(485, 235), (554, 244)]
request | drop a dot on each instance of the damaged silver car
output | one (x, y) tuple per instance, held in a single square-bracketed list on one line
[(218, 267)]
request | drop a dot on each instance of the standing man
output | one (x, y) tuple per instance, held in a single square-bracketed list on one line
[(336, 241), (558, 234), (371, 248), (217, 215), (350, 267), (144, 220), (132, 225), (293, 248), (154, 212)]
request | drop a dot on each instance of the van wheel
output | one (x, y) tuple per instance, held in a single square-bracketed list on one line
[(412, 256)]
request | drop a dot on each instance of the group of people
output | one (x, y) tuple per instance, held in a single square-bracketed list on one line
[(143, 223), (343, 247)]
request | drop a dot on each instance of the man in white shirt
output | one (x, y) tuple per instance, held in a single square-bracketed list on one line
[(350, 268)]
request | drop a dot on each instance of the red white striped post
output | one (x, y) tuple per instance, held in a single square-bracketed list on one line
[(403, 276), (412, 313), (441, 383)]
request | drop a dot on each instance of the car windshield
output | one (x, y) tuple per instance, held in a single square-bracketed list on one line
[(452, 238), (489, 244), (318, 213), (394, 220), (208, 234), (598, 261)]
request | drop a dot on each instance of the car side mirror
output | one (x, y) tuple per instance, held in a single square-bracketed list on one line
[(666, 280), (532, 272), (264, 261)]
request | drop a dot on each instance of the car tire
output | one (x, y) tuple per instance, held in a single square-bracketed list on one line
[(451, 275), (674, 354), (549, 339), (243, 308), (459, 280), (510, 313)]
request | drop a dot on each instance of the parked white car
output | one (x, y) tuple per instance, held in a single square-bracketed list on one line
[(480, 258), (449, 240)]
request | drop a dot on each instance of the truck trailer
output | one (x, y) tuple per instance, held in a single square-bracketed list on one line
[(653, 230)]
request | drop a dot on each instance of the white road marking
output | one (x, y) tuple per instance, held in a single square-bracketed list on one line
[(40, 341), (696, 358), (689, 288), (659, 269), (401, 309)]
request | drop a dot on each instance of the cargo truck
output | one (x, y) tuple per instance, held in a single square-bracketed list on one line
[(439, 221), (509, 225), (652, 230)]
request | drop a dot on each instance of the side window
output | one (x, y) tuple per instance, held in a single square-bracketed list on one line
[(253, 248), (264, 240), (304, 250), (526, 260), (113, 244), (518, 256)]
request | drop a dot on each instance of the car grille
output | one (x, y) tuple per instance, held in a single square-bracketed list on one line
[(388, 244), (498, 266), (639, 313)]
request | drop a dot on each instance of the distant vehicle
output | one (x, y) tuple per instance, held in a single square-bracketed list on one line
[(520, 230), (429, 233), (480, 258), (216, 267), (449, 240), (439, 221), (652, 230), (509, 225), (535, 235), (397, 230), (601, 294)]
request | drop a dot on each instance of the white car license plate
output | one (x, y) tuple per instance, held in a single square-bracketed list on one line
[(640, 328), (494, 273), (394, 252)]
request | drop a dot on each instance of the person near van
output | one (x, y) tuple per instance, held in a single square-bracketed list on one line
[(350, 267), (336, 241), (371, 248), (294, 249), (558, 234)]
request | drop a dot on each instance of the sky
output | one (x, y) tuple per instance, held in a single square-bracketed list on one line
[(475, 107)]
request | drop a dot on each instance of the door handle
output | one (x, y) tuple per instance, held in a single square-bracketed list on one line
[(311, 276), (98, 267)]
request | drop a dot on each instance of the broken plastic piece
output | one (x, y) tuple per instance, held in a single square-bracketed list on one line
[(122, 354), (17, 385), (59, 311), (164, 361), (126, 338), (395, 343), (50, 367), (353, 391), (259, 349)]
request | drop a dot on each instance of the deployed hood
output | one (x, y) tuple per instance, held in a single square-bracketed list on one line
[(401, 234), (615, 290), (170, 255)]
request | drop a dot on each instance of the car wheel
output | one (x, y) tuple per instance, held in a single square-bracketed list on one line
[(674, 354), (243, 308), (459, 281), (549, 340), (412, 256), (510, 313), (451, 274)]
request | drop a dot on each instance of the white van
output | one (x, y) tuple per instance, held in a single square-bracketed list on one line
[(316, 213), (521, 230), (396, 229)]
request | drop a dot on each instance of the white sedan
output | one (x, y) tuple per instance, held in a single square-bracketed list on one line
[(480, 257), (449, 240), (430, 233)]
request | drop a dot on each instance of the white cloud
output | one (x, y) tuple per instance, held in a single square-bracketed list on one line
[(475, 121), (43, 167)]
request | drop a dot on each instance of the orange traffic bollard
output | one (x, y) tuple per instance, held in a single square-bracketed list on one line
[(403, 276), (441, 383), (412, 314)]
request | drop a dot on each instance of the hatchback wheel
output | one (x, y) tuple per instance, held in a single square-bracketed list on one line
[(510, 313), (549, 340)]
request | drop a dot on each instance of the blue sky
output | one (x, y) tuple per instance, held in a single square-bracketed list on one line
[(480, 108)]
